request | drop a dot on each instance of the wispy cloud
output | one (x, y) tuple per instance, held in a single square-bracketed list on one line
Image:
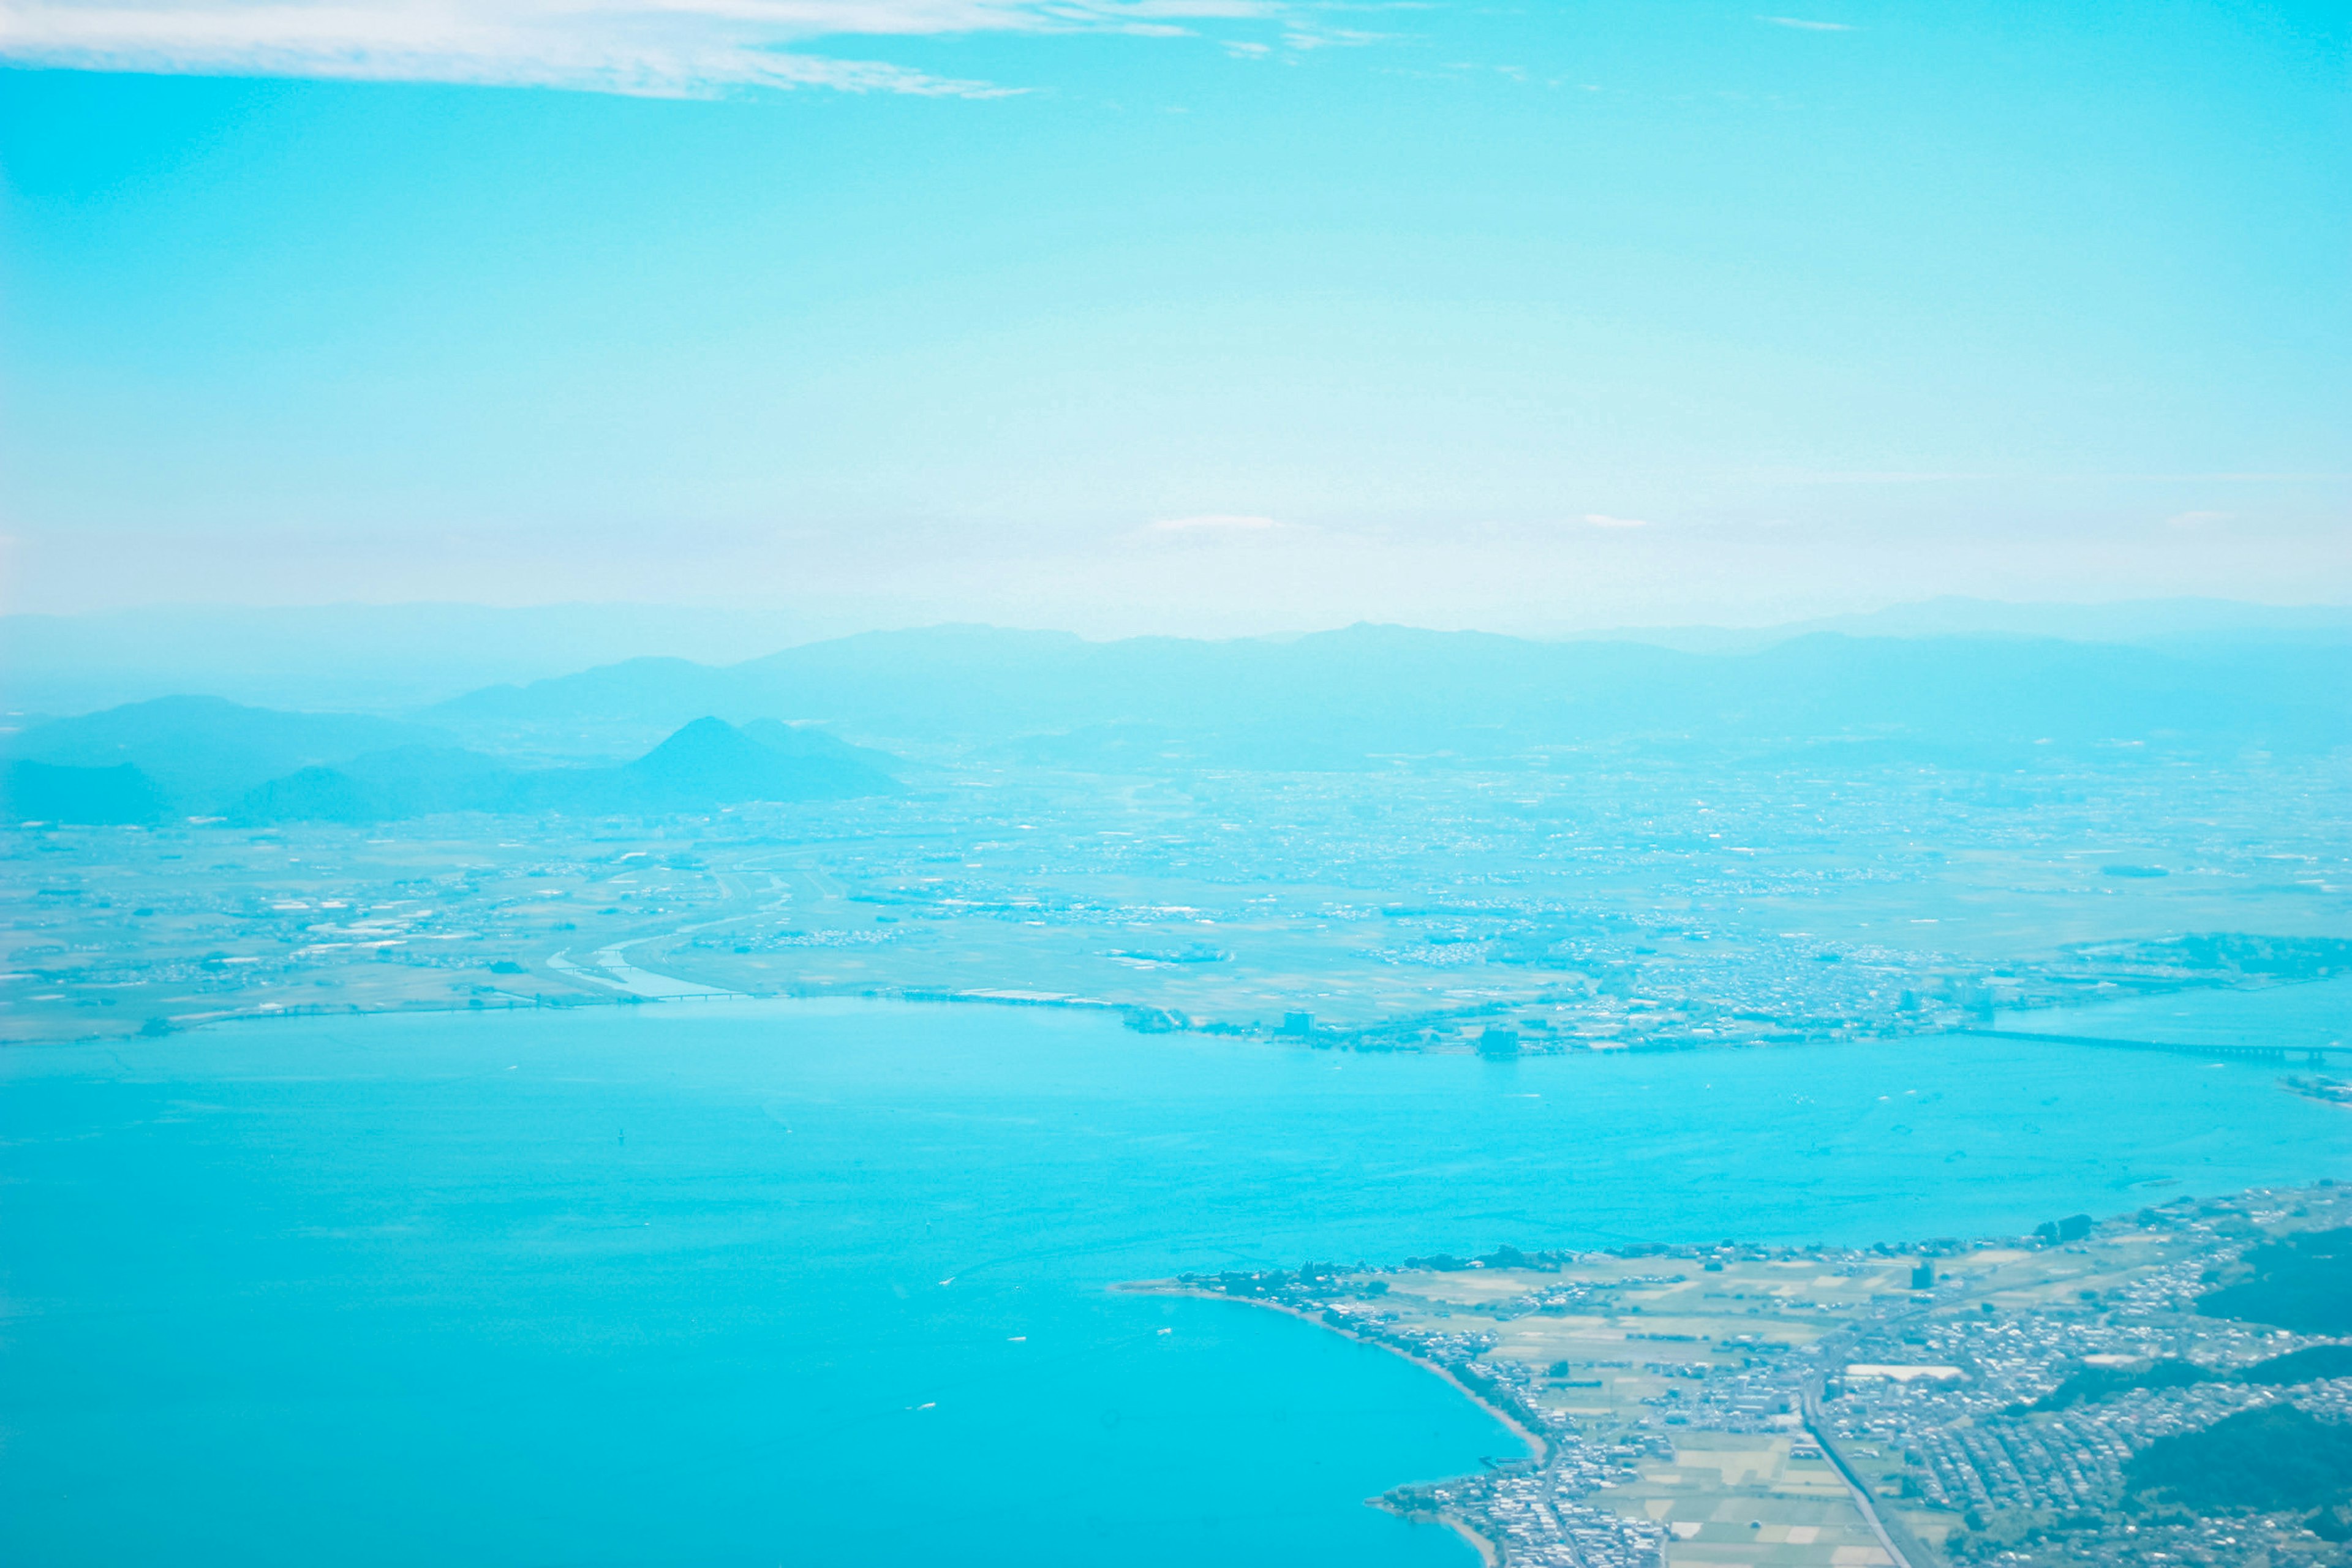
[(1809, 25), (1817, 477), (1302, 38), (2195, 520), (1214, 522), (1602, 520), (653, 48)]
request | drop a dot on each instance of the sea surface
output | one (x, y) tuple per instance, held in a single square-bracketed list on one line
[(811, 1283)]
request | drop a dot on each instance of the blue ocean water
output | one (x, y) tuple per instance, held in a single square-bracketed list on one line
[(794, 1283)]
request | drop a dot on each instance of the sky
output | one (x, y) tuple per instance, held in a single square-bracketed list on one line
[(1205, 316)]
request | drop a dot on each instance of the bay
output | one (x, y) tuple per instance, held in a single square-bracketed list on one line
[(786, 1283)]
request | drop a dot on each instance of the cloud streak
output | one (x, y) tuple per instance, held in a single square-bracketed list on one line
[(1809, 26), (675, 48), (1602, 520), (1215, 523)]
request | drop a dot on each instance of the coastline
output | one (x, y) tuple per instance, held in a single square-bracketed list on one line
[(1489, 1554), (1152, 1019), (603, 990)]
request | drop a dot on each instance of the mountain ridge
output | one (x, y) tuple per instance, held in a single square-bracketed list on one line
[(1373, 689), (703, 766)]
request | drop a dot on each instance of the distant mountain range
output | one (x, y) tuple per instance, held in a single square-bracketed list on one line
[(1368, 696), (202, 756), (390, 658), (376, 657), (2154, 623), (1343, 698), (205, 751)]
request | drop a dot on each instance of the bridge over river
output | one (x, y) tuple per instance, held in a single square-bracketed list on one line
[(2316, 1056)]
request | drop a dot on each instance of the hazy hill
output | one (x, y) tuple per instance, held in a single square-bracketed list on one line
[(1362, 695), (630, 690), (384, 787), (200, 752), (1339, 698), (708, 764), (380, 658), (2153, 621), (394, 657), (2148, 621), (814, 748)]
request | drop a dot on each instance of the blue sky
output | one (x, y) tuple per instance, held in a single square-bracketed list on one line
[(1216, 315)]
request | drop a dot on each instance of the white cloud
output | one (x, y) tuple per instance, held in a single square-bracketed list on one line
[(2192, 520), (656, 47), (1300, 37), (1602, 520), (1214, 522), (1807, 25)]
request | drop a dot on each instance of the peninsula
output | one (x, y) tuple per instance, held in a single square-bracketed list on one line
[(2171, 1385)]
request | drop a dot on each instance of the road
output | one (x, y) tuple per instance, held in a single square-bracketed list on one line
[(1819, 1428)]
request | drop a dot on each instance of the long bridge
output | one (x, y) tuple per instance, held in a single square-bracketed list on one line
[(2316, 1056)]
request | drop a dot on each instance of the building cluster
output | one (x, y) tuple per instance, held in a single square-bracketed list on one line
[(1945, 1403), (1545, 1516)]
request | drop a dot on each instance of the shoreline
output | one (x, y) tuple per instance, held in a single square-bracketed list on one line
[(1489, 1553), (555, 1002), (1150, 1018)]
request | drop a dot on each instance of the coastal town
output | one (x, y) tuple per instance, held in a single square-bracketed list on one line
[(1175, 784), (2172, 1385)]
